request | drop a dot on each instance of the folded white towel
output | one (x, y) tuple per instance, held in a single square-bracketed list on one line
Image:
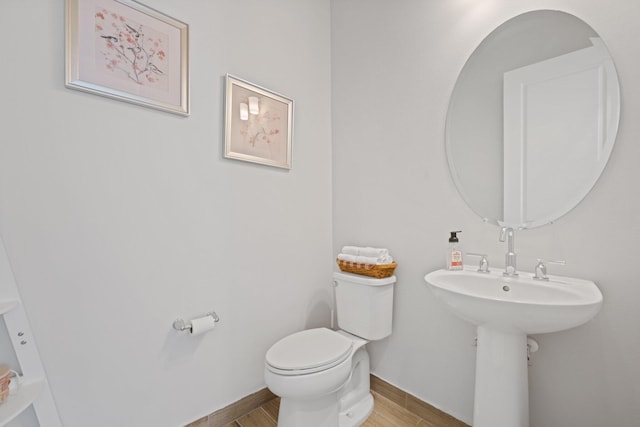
[(347, 257), (365, 260), (373, 252), (351, 250), (365, 255), (365, 251), (388, 259)]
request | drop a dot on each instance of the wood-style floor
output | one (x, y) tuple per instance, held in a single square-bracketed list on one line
[(386, 413)]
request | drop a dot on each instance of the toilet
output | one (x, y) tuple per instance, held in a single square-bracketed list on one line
[(321, 375)]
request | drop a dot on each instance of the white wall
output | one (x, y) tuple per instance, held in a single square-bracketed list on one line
[(394, 65), (118, 219)]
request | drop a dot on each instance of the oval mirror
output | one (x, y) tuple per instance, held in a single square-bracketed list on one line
[(532, 119)]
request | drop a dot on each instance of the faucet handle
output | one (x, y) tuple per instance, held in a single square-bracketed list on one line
[(483, 267), (541, 268), (506, 232)]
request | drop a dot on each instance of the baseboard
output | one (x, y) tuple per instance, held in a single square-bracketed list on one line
[(414, 405), (422, 409), (226, 415)]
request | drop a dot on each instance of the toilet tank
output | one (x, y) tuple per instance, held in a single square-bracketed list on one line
[(364, 305)]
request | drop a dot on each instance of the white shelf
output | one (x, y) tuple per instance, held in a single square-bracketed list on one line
[(35, 391), (8, 305), (16, 403)]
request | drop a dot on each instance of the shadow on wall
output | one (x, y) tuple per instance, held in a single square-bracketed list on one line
[(319, 310)]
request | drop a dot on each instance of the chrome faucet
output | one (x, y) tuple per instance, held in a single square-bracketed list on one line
[(508, 234), (483, 267), (541, 268)]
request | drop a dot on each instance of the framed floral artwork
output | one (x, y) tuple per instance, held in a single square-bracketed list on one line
[(258, 124), (124, 50)]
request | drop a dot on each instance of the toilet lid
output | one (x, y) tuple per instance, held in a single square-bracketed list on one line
[(309, 350)]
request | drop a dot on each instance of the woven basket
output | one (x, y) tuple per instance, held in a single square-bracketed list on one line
[(5, 379), (378, 271)]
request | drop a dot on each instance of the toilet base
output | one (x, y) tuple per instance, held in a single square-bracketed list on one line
[(318, 412), (322, 412), (349, 405), (358, 413)]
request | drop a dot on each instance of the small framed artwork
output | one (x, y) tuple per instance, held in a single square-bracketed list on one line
[(124, 50), (258, 124)]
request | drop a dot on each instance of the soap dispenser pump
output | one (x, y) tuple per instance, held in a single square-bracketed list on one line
[(454, 253)]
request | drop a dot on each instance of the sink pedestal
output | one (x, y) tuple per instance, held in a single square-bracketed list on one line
[(501, 389)]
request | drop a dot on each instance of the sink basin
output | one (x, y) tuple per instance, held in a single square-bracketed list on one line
[(516, 303), (505, 310)]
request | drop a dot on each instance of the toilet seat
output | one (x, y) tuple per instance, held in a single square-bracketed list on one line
[(308, 351)]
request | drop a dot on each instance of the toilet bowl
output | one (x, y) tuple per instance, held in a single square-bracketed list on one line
[(321, 375), (310, 371)]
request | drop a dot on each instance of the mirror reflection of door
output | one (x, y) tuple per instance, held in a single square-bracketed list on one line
[(556, 118)]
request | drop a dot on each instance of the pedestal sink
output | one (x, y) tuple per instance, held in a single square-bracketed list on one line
[(506, 309)]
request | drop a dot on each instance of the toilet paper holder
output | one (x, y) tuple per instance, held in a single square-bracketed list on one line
[(180, 325)]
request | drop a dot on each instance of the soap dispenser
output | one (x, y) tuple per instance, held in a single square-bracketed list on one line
[(454, 253)]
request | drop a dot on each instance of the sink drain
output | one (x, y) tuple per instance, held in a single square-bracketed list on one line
[(506, 288)]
